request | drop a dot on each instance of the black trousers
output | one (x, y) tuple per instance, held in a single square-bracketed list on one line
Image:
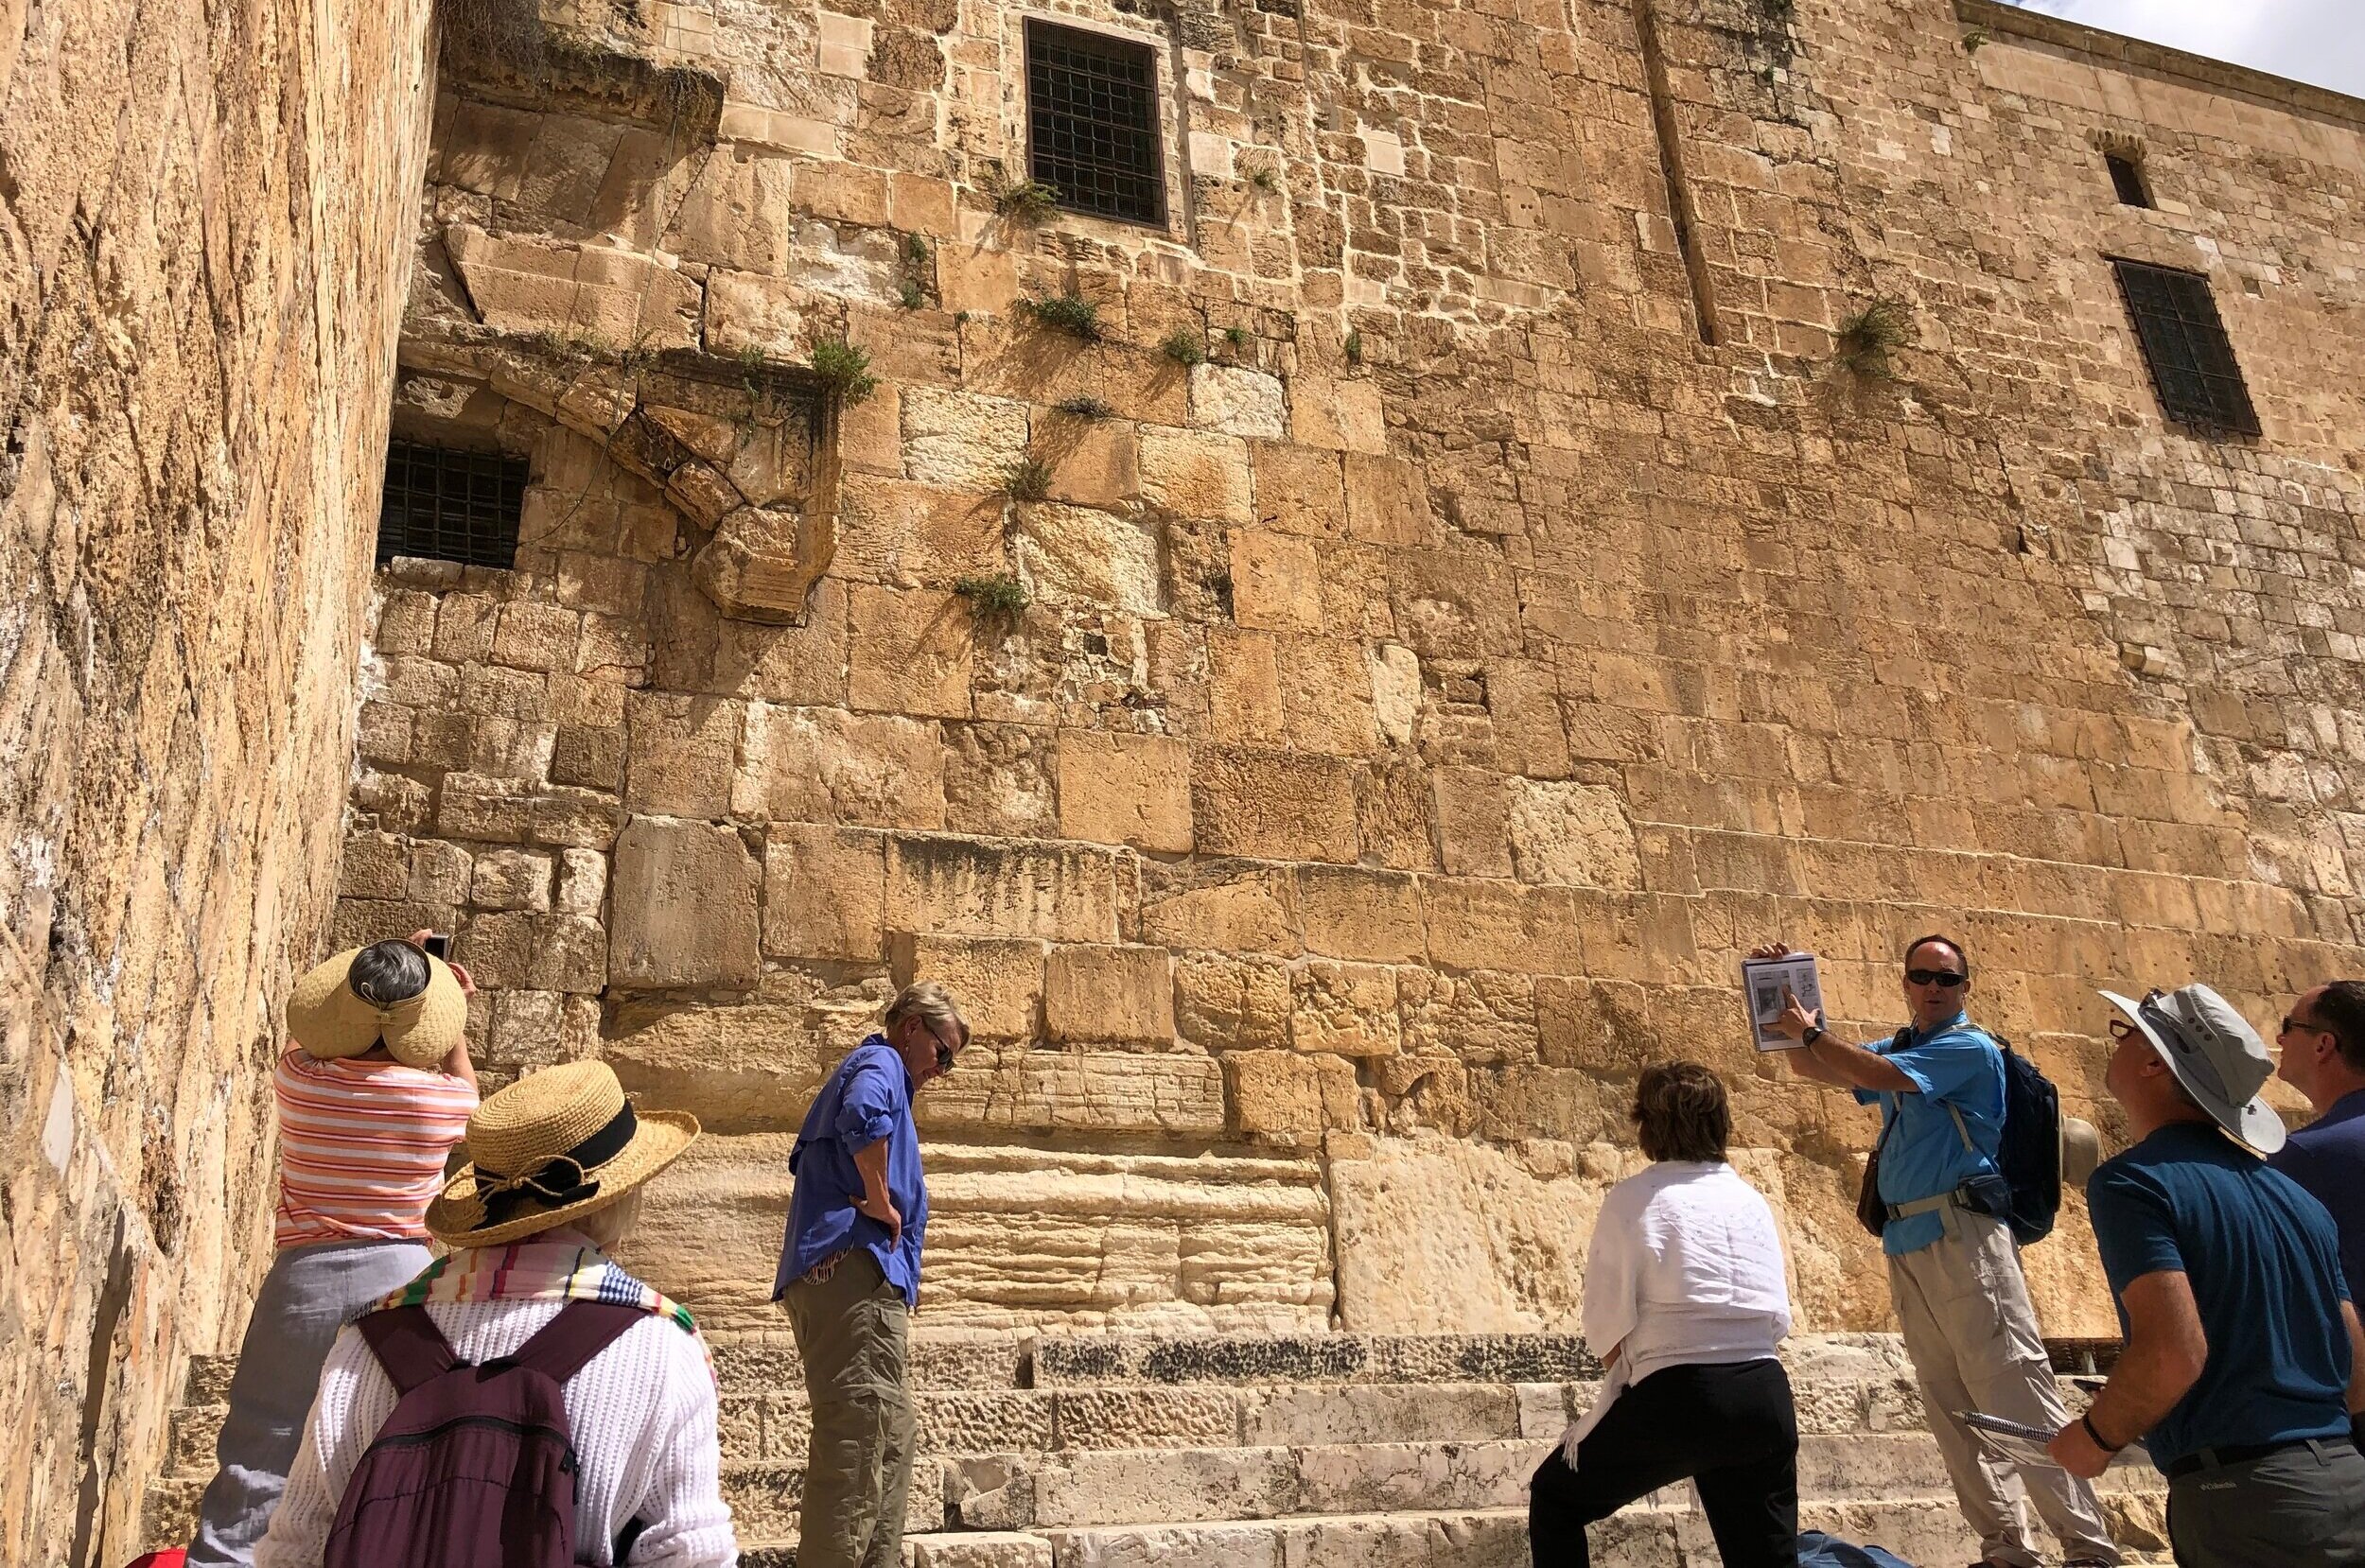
[(1732, 1429)]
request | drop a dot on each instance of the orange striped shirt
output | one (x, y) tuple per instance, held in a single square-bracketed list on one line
[(361, 1147)]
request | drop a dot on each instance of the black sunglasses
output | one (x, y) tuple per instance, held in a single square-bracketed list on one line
[(1946, 978), (944, 1051), (2290, 1023)]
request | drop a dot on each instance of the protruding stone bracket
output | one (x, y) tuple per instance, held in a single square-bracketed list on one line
[(501, 50)]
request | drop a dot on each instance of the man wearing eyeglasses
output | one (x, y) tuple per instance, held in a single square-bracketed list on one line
[(2322, 1045), (1955, 1275), (850, 1279)]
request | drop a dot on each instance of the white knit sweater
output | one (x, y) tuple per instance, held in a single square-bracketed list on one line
[(644, 1419)]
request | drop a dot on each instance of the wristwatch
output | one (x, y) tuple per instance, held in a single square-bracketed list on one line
[(1814, 1032)]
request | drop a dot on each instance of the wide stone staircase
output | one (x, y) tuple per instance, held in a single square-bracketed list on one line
[(1117, 1451)]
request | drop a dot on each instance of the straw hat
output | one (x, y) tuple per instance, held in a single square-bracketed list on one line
[(554, 1146), (329, 1019), (2216, 1054), (2081, 1151)]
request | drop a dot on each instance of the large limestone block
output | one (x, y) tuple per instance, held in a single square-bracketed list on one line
[(680, 754), (1124, 789), (1086, 555), (1276, 581), (822, 764), (1298, 489), (1574, 834), (967, 887), (1232, 1003), (961, 441), (1237, 401), (1273, 805), (1229, 906), (1112, 1091), (997, 980), (762, 562), (910, 653), (1287, 1098), (736, 1069), (614, 299), (685, 901), (1346, 1009), (824, 891), (1195, 474), (1476, 923), (747, 313), (1353, 912), (1109, 994)]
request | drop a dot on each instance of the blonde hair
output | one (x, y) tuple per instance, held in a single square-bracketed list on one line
[(929, 1001)]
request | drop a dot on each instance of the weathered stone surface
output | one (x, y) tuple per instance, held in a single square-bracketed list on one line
[(735, 1066), (685, 907), (1109, 994), (1126, 789), (998, 981), (806, 764), (824, 891), (1086, 1091), (1089, 556)]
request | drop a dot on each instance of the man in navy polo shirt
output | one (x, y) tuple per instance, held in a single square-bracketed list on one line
[(2244, 1357), (2324, 1058), (1969, 1326)]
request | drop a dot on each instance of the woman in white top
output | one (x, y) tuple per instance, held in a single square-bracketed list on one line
[(1685, 1302)]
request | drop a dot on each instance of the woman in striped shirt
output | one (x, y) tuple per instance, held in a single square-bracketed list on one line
[(371, 1098)]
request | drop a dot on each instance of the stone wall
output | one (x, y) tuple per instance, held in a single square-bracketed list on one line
[(1420, 702), (205, 224)]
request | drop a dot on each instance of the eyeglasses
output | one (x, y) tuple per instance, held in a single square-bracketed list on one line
[(1944, 978), (2290, 1023), (944, 1053), (2121, 1029)]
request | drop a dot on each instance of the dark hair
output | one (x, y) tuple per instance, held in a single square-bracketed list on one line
[(384, 973), (1681, 1112), (2340, 1012), (1939, 937)]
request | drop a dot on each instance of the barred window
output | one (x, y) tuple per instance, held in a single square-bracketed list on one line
[(2127, 178), (1092, 123), (451, 506), (2184, 342)]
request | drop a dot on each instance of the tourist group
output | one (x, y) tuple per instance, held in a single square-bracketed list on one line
[(521, 1400)]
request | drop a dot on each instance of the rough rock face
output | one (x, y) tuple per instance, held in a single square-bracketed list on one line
[(1523, 607), (205, 221)]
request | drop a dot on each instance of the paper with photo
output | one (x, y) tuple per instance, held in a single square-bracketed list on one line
[(1763, 983)]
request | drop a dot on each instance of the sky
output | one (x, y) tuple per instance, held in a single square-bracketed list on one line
[(2317, 41)]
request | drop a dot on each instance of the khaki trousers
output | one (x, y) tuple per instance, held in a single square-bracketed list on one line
[(854, 1336), (1973, 1336)]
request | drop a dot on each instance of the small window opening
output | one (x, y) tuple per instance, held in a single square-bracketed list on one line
[(2128, 179), (2185, 345), (1092, 123), (451, 506)]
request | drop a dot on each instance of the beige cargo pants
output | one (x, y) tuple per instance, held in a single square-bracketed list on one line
[(854, 1336), (1973, 1336)]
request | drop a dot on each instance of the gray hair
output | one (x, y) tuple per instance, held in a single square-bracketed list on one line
[(384, 973), (929, 1001), (605, 1227)]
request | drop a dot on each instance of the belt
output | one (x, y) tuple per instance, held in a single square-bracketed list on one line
[(2242, 1453)]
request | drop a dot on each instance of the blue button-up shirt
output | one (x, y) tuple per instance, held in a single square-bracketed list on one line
[(867, 1098), (2327, 1157), (1954, 1064)]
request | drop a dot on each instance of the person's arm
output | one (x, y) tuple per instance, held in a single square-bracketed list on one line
[(1613, 1278), (2167, 1349), (870, 1162), (2357, 1364), (1830, 1059), (685, 1522)]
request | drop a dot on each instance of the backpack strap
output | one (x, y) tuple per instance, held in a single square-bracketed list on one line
[(581, 1330), (407, 1344)]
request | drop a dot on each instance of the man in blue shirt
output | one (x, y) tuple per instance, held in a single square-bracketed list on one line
[(2324, 1058), (1969, 1326), (2244, 1358), (849, 1278)]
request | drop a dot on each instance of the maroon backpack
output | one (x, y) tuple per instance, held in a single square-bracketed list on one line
[(476, 1466)]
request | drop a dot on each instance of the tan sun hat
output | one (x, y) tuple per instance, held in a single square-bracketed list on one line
[(2081, 1151), (330, 1020), (554, 1146)]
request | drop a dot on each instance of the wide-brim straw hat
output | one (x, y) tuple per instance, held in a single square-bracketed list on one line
[(552, 1147), (330, 1020), (2216, 1054)]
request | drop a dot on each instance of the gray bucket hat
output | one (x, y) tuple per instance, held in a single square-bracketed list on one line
[(2216, 1054)]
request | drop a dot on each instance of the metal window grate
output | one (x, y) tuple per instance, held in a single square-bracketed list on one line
[(2126, 180), (451, 506), (2185, 343), (1092, 123)]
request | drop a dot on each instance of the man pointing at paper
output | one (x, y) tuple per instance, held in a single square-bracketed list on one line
[(1954, 1272)]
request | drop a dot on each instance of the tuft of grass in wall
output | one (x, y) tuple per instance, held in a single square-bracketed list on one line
[(1069, 313), (1183, 347), (1027, 480), (1974, 39), (915, 251), (1085, 407), (1264, 179), (1000, 597), (1867, 337), (1354, 346), (1027, 202), (911, 294), (1235, 338), (844, 369)]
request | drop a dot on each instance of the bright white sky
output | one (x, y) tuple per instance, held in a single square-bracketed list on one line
[(2317, 41)]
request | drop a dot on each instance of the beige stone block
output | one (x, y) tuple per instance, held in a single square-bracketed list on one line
[(1223, 905), (1395, 692), (471, 805), (1287, 1097), (613, 298), (1483, 1018), (1327, 695), (920, 205), (1276, 581), (996, 981), (909, 652), (960, 440), (681, 754), (819, 764), (1530, 738), (1473, 821), (511, 878), (747, 312), (1298, 489), (684, 911), (1093, 461), (1237, 401), (735, 1068), (1107, 995), (1388, 502), (582, 882), (1454, 604), (1108, 1091), (1475, 924), (1353, 911), (762, 563), (536, 636), (1195, 474), (1272, 805), (1226, 1003), (824, 893), (730, 216), (893, 531), (1346, 1009), (1124, 789), (1082, 555), (975, 278), (963, 887), (1243, 688), (1573, 834), (1344, 415)]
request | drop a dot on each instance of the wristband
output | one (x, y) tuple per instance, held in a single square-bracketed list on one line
[(2087, 1421), (1814, 1032)]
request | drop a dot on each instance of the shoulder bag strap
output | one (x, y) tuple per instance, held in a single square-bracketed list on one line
[(581, 1330), (407, 1344)]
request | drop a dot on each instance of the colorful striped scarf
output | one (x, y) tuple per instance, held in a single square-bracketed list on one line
[(540, 1271)]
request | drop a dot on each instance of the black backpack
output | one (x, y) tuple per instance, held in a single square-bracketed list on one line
[(2025, 1193)]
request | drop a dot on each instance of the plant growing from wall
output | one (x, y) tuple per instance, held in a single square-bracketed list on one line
[(1183, 347), (1264, 179), (999, 597), (1085, 406), (1354, 346), (1029, 201), (844, 369), (1235, 338), (1069, 313), (1974, 39), (1027, 480), (1867, 337)]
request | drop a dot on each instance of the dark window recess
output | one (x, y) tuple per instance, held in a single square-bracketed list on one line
[(2185, 343), (2127, 181), (1092, 123), (451, 506)]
